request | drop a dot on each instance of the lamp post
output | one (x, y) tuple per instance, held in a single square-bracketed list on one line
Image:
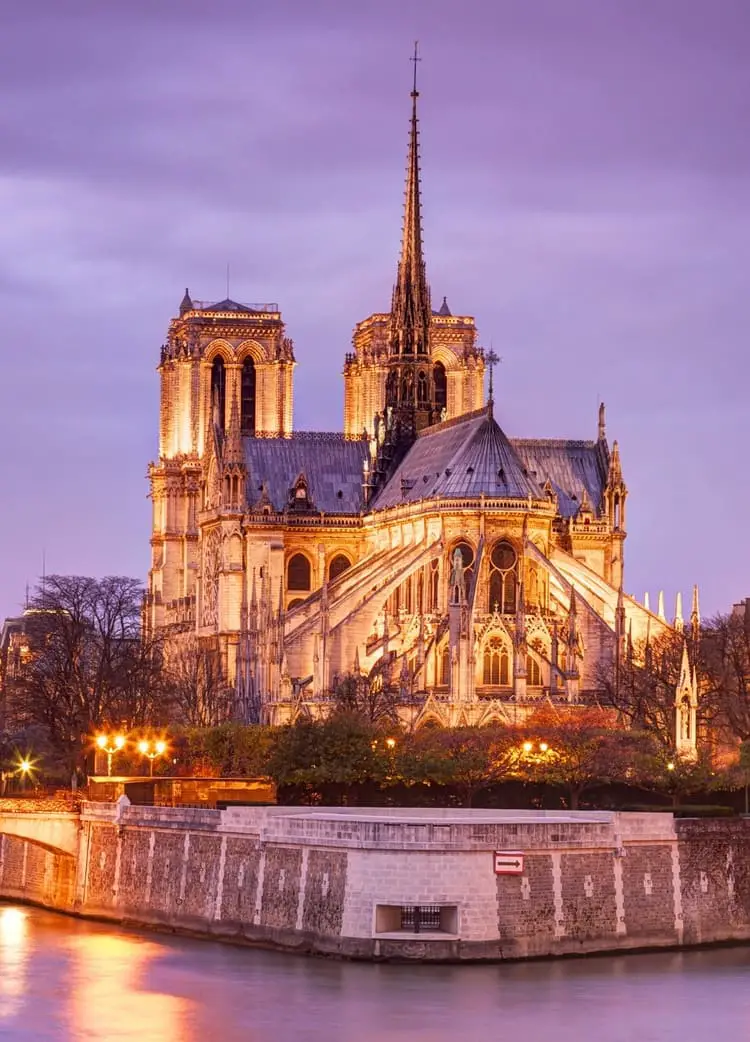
[(152, 750), (110, 748)]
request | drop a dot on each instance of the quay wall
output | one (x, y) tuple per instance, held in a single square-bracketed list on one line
[(343, 881)]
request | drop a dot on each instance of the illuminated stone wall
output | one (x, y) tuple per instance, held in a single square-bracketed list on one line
[(336, 881)]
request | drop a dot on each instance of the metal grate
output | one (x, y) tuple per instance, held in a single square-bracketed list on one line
[(416, 918)]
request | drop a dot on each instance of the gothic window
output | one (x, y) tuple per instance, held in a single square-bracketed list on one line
[(434, 579), (294, 602), (422, 392), (534, 589), (298, 574), (467, 556), (533, 672), (503, 578), (247, 397), (338, 565), (441, 386), (496, 664), (218, 392)]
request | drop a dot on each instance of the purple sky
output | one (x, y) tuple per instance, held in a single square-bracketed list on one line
[(586, 188)]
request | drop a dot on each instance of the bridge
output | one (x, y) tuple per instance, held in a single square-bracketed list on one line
[(50, 823)]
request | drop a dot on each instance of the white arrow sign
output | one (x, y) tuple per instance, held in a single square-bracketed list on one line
[(508, 862)]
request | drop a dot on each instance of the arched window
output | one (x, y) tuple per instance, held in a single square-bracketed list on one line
[(503, 578), (434, 580), (533, 672), (294, 602), (441, 386), (422, 393), (298, 573), (496, 664), (338, 564), (218, 392), (467, 555), (445, 666), (247, 397)]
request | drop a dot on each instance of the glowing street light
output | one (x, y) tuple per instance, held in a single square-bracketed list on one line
[(110, 747), (391, 743), (25, 768), (152, 750)]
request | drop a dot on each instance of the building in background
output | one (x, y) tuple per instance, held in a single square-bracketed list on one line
[(481, 572)]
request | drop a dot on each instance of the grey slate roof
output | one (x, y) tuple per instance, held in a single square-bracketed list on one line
[(227, 305), (570, 467), (332, 467), (464, 457)]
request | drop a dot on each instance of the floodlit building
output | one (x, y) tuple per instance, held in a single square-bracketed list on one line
[(482, 572)]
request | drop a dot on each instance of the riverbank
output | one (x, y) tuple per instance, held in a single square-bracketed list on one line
[(381, 884)]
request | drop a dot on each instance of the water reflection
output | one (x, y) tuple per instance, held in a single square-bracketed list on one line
[(69, 980), (110, 1000), (13, 960)]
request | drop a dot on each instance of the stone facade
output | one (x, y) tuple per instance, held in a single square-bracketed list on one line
[(348, 882)]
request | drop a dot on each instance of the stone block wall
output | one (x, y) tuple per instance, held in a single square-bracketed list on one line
[(338, 881)]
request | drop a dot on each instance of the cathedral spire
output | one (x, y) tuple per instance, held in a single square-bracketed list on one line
[(410, 306)]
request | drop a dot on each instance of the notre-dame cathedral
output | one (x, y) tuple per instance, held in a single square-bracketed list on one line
[(483, 572)]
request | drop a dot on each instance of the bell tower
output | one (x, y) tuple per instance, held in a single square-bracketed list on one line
[(226, 371)]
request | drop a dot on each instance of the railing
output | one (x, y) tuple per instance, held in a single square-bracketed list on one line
[(62, 802), (206, 305)]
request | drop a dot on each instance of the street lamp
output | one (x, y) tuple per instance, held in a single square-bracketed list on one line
[(25, 769), (110, 747), (152, 750), (391, 743)]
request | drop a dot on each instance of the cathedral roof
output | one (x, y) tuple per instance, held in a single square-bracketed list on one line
[(468, 456), (227, 305), (570, 466), (331, 466)]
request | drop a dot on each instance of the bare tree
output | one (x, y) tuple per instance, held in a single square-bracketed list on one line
[(90, 667), (374, 696), (200, 694), (641, 687), (724, 665)]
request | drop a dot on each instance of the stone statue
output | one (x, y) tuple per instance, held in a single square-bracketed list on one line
[(457, 585), (685, 720)]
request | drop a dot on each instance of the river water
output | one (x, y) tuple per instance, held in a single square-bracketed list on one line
[(62, 978)]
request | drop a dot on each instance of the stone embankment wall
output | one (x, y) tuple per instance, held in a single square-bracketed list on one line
[(344, 881)]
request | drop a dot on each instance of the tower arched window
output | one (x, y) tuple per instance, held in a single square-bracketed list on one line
[(441, 386), (219, 392), (298, 573), (495, 664), (503, 577), (338, 565), (247, 397)]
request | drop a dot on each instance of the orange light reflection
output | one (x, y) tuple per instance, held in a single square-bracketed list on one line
[(110, 1000), (14, 955)]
